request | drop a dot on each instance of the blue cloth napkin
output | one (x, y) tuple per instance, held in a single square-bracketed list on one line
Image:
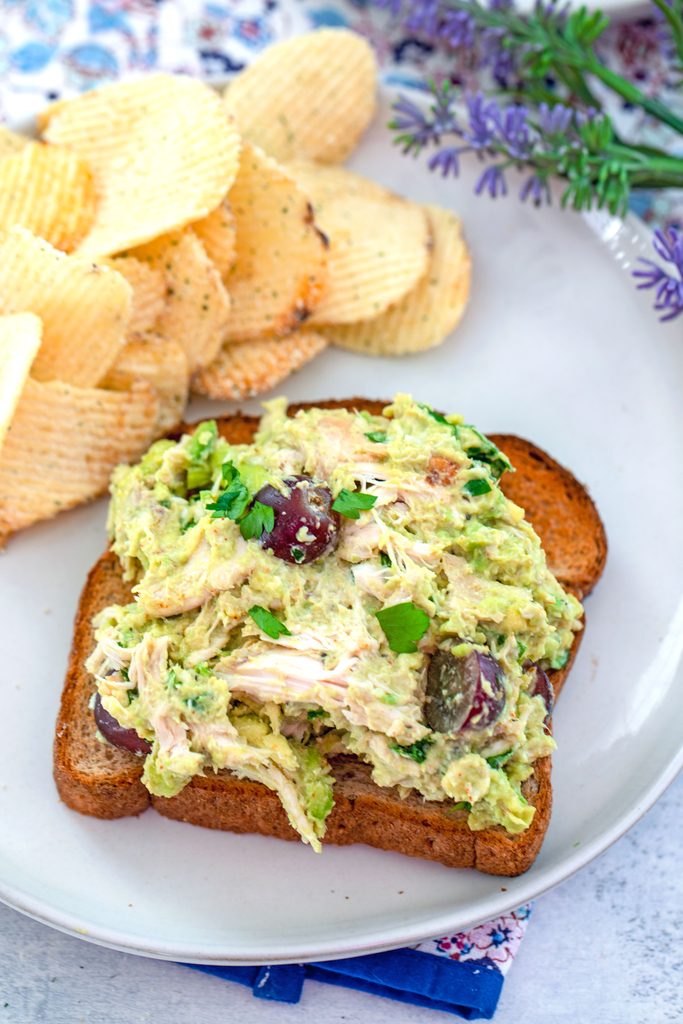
[(461, 974)]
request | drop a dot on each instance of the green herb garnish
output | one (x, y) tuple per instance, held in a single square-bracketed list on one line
[(404, 626), (259, 519), (266, 621), (462, 805), (384, 559), (351, 503), (416, 751), (438, 416), (499, 759), (233, 501), (521, 649), (476, 487), (378, 436), (315, 713)]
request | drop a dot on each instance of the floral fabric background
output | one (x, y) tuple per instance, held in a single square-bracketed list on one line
[(49, 48)]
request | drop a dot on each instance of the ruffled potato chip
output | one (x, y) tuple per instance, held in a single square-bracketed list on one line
[(50, 191), (11, 142), (64, 442), (247, 368), (20, 336), (149, 291), (197, 304), (218, 235), (162, 364), (324, 183), (379, 250), (163, 152), (311, 96), (427, 314), (85, 308), (280, 270)]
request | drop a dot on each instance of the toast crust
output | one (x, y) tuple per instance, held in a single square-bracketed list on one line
[(98, 779)]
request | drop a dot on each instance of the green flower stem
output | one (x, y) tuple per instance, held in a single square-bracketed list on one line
[(632, 94), (673, 13)]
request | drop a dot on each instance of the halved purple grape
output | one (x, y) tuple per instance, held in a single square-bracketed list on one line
[(127, 739), (542, 687), (464, 691), (306, 526)]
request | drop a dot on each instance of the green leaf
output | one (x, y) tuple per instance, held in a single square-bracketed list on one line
[(404, 626), (477, 487), (384, 559), (259, 519), (315, 713), (462, 805), (438, 416), (231, 504), (416, 751), (499, 759), (351, 503), (378, 436), (266, 621)]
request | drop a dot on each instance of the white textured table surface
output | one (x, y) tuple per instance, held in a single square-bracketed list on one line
[(605, 947)]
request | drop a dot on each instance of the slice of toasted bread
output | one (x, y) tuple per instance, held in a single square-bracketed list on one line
[(98, 779)]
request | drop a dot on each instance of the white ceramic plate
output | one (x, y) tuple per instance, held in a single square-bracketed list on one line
[(556, 346)]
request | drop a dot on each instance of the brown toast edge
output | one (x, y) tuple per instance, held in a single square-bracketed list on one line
[(363, 812)]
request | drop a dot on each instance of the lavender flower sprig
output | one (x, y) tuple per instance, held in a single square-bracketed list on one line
[(668, 285), (549, 141)]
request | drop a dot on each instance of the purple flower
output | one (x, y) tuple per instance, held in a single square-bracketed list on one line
[(458, 29), (513, 129), (555, 120), (493, 182), (668, 244), (482, 120), (535, 188), (447, 161)]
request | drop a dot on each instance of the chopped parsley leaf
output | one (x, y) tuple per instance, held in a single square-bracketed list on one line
[(266, 621), (351, 503), (384, 559), (462, 805), (259, 519), (438, 416), (404, 626), (499, 759), (416, 751), (298, 554), (378, 436), (232, 503), (477, 487), (315, 713)]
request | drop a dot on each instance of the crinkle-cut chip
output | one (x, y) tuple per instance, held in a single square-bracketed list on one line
[(217, 234), (280, 270), (85, 308), (161, 363), (325, 182), (247, 368), (163, 152), (430, 311), (63, 444), (50, 191), (379, 250), (197, 303), (149, 291), (11, 142), (20, 336), (311, 96)]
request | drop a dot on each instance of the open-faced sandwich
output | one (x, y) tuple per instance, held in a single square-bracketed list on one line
[(335, 622)]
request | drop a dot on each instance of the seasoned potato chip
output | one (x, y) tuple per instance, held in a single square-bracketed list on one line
[(20, 336), (11, 142), (379, 250), (84, 307), (247, 368), (217, 234), (162, 150), (280, 269), (197, 304), (64, 442), (48, 190), (323, 183), (163, 364), (311, 96), (424, 317), (149, 291)]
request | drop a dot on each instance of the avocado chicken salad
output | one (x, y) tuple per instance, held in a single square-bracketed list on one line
[(346, 583)]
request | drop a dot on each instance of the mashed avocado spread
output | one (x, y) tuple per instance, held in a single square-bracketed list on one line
[(346, 583)]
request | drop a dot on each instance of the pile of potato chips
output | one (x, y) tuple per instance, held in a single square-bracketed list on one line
[(163, 239)]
